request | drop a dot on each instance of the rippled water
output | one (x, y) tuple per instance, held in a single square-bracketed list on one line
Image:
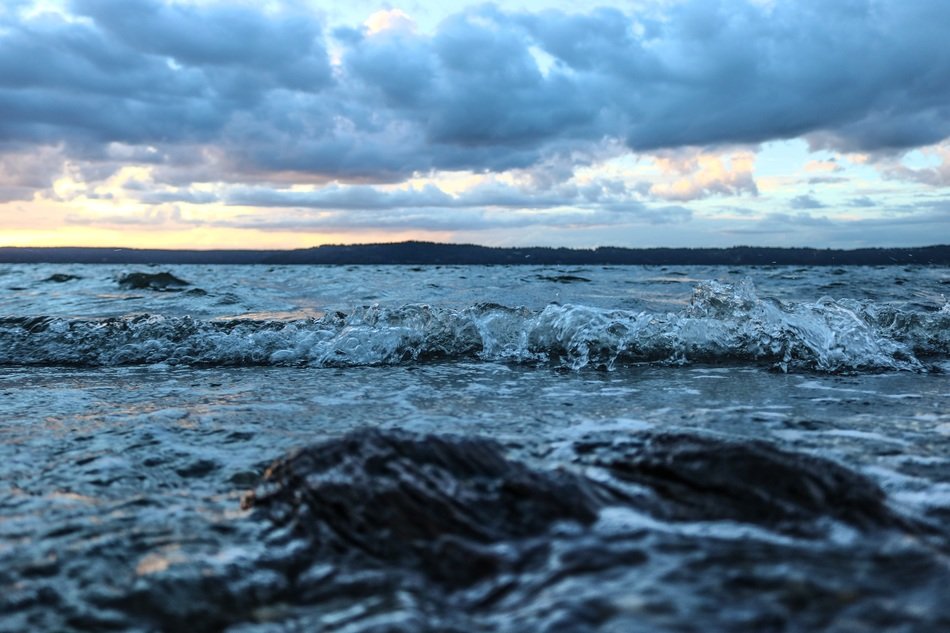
[(474, 449)]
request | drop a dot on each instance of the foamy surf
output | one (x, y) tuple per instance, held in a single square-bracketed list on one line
[(722, 323)]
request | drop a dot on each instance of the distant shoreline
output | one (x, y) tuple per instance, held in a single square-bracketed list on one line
[(430, 253)]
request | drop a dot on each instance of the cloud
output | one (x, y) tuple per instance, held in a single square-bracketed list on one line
[(271, 48), (453, 219), (389, 19), (702, 174), (420, 219), (142, 72), (487, 204), (806, 201), (501, 203), (155, 217), (353, 198), (183, 196), (823, 166), (798, 219), (896, 225), (826, 180), (851, 233), (250, 91), (24, 172), (934, 176)]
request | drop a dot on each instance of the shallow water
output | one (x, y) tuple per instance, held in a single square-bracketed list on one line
[(135, 421)]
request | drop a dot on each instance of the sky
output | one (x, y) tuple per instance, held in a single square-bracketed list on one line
[(289, 124)]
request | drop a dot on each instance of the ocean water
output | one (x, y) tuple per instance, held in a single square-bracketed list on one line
[(358, 449)]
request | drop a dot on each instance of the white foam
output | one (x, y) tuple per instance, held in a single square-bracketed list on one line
[(722, 322)]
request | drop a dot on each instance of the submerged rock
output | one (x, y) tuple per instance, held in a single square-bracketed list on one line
[(161, 282), (702, 478), (61, 278), (432, 503), (563, 279), (470, 540)]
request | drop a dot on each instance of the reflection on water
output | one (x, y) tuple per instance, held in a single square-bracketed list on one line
[(281, 316)]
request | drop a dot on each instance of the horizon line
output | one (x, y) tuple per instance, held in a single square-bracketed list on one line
[(470, 244)]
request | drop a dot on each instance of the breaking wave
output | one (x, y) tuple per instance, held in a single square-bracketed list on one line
[(722, 323)]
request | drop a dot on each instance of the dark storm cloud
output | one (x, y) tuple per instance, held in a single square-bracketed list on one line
[(865, 74), (286, 45), (489, 90), (66, 82), (140, 72)]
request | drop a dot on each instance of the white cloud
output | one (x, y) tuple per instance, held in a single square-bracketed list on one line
[(689, 175), (387, 20)]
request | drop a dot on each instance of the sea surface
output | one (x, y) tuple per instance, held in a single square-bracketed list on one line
[(464, 448)]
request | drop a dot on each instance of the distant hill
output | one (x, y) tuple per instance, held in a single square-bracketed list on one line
[(429, 253)]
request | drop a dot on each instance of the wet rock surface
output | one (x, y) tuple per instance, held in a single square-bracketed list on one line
[(702, 478), (159, 282), (479, 542), (60, 278), (436, 503), (563, 279)]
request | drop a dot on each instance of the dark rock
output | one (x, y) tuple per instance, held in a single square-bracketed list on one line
[(61, 278), (435, 504), (701, 478), (198, 468), (563, 279), (388, 531), (161, 282)]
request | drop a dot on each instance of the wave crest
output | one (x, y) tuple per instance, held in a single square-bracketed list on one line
[(722, 323)]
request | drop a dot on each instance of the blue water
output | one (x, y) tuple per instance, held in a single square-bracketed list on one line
[(136, 419)]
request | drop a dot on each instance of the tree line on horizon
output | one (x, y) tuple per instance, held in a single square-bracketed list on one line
[(432, 253)]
